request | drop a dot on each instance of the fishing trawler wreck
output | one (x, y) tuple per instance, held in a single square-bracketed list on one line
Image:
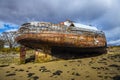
[(46, 35)]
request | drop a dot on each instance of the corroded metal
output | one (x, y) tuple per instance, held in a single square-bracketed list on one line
[(42, 34), (22, 54)]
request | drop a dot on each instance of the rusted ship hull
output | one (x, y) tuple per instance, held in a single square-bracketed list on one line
[(48, 38), (37, 35), (65, 37)]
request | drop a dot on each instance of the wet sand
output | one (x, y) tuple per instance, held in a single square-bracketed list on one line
[(102, 67)]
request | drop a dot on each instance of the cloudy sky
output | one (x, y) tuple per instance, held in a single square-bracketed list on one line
[(104, 14)]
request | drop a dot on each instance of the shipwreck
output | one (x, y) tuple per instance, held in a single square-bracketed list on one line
[(67, 35)]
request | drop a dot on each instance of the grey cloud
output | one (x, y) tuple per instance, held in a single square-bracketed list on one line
[(103, 13), (18, 11), (111, 18)]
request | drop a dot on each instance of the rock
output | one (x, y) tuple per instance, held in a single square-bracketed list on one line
[(76, 74), (87, 76), (35, 77), (65, 65), (72, 79), (114, 65), (100, 76), (116, 77), (30, 74), (43, 69), (93, 67), (12, 67), (58, 72), (7, 71), (11, 74), (4, 65), (21, 69)]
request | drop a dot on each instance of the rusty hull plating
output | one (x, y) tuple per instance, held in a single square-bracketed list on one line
[(41, 34)]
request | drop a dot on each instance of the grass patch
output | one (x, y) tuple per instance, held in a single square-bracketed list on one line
[(10, 50)]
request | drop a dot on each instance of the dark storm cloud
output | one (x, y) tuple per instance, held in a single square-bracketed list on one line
[(105, 14), (17, 11)]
